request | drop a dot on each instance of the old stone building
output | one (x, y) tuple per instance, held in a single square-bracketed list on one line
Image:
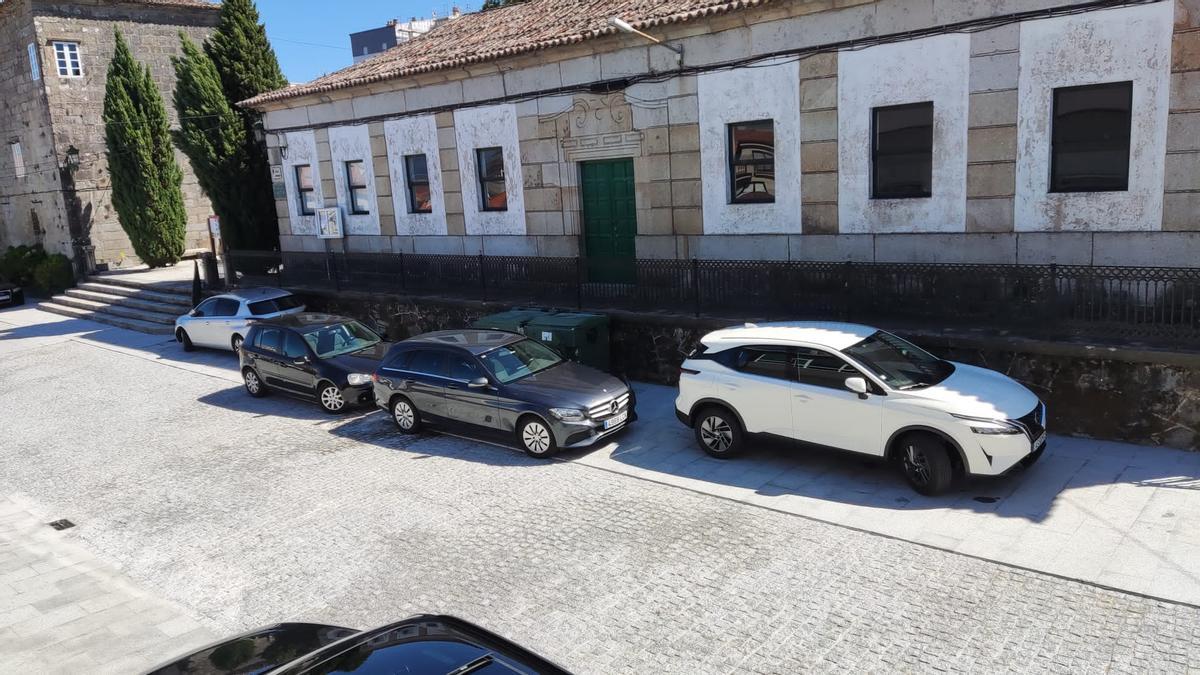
[(1018, 131), (54, 182)]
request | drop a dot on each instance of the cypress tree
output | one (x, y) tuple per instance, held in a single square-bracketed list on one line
[(147, 190), (212, 135), (247, 67)]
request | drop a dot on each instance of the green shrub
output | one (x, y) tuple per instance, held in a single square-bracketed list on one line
[(19, 262), (54, 274)]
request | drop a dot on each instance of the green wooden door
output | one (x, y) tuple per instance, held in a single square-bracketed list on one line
[(609, 219)]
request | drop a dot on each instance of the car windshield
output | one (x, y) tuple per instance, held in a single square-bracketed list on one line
[(899, 363), (280, 304), (519, 359), (342, 338)]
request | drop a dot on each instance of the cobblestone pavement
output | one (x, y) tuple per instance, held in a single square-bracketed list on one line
[(247, 512), (62, 609)]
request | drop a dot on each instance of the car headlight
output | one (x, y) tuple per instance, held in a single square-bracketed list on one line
[(567, 414), (358, 379), (990, 427)]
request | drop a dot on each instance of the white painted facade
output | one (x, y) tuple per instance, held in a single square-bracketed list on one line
[(415, 136), (301, 150), (1130, 44), (353, 144), (769, 92), (490, 127), (933, 69)]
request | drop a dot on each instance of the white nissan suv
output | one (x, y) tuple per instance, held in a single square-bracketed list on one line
[(855, 388)]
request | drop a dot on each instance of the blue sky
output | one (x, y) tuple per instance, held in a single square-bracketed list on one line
[(312, 37)]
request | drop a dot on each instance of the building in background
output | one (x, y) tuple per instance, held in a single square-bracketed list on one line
[(54, 181), (1056, 131), (368, 43)]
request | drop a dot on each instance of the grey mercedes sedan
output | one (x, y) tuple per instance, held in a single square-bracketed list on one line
[(494, 383)]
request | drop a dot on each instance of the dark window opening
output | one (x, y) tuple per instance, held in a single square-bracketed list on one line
[(416, 170), (356, 185), (306, 190), (902, 151), (752, 162), (270, 340), (491, 179), (1089, 149)]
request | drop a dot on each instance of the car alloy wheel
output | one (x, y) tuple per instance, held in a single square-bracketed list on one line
[(716, 434), (237, 343), (403, 413), (331, 399), (253, 385), (916, 465), (536, 438)]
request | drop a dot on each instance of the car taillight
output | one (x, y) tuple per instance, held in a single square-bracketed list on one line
[(375, 377)]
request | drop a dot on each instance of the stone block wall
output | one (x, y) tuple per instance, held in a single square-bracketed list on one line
[(658, 124), (31, 207), (1120, 395), (76, 105)]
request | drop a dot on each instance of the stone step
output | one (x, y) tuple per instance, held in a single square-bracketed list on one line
[(134, 301), (108, 319), (183, 300), (132, 281), (115, 310)]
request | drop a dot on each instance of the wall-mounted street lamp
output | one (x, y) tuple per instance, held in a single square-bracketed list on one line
[(623, 26), (71, 160)]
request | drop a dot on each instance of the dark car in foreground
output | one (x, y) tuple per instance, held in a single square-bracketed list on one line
[(11, 294), (319, 356), (427, 644), (503, 384)]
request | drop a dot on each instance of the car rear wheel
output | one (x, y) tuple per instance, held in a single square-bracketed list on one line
[(182, 336), (330, 397), (254, 384), (718, 433), (536, 438), (405, 415), (926, 464), (236, 343)]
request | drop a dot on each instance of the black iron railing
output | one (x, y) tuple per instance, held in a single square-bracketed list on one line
[(1133, 303)]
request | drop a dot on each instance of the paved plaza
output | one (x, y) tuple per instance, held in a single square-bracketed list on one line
[(200, 512)]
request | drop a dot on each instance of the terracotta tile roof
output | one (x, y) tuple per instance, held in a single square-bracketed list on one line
[(508, 31)]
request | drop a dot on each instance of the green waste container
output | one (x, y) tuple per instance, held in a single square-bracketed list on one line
[(578, 336)]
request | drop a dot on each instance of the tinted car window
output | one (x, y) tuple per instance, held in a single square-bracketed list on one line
[(426, 362), (293, 346), (269, 340), (225, 307), (462, 367), (206, 308), (402, 651), (765, 361), (342, 338), (822, 369), (274, 305)]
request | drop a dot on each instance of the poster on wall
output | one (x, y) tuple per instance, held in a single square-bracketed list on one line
[(329, 223), (278, 187)]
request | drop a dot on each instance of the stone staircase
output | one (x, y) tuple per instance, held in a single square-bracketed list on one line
[(148, 307)]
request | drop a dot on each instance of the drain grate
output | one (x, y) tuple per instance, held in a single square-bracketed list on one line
[(987, 500), (62, 524)]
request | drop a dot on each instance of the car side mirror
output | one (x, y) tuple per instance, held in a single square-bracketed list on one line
[(857, 385), (194, 312), (478, 383)]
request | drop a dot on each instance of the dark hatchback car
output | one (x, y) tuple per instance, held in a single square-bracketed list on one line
[(440, 645), (501, 384), (320, 356)]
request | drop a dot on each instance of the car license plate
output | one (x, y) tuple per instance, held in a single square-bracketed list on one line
[(1041, 440), (616, 421)]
